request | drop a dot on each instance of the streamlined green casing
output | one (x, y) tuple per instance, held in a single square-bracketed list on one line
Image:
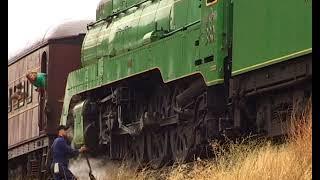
[(181, 37), (78, 136), (173, 36), (269, 31)]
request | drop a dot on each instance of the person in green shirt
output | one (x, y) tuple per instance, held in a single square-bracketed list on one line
[(39, 80)]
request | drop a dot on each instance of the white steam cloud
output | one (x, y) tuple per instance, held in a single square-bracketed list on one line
[(102, 169)]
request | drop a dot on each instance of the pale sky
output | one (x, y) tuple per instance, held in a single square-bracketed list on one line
[(29, 19)]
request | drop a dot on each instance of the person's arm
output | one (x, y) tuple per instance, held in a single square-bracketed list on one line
[(68, 149)]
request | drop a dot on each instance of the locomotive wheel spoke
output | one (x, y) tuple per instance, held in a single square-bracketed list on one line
[(161, 102), (181, 140), (157, 145), (177, 90), (165, 106), (138, 149)]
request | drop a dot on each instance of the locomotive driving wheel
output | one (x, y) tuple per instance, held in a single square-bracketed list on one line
[(157, 148), (181, 140)]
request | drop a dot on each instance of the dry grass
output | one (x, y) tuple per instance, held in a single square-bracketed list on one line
[(239, 160), (259, 159)]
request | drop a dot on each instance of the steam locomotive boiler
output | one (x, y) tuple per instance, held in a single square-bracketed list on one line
[(159, 79)]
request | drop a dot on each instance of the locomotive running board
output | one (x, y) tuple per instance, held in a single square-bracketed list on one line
[(136, 127)]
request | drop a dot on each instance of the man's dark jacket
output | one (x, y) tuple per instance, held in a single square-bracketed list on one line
[(62, 151)]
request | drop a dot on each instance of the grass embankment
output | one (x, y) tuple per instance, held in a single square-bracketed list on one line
[(258, 159)]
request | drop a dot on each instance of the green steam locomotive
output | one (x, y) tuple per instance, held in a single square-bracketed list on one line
[(161, 78)]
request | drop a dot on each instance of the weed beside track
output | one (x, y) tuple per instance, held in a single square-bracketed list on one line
[(258, 159)]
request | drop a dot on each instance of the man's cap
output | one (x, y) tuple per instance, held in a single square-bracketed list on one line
[(63, 127)]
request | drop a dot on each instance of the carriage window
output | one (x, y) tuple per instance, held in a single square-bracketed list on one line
[(14, 100), (22, 94), (9, 100), (44, 62), (29, 89)]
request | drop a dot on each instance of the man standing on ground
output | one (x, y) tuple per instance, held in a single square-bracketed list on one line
[(61, 154)]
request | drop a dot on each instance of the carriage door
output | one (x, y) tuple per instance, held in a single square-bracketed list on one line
[(43, 96)]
